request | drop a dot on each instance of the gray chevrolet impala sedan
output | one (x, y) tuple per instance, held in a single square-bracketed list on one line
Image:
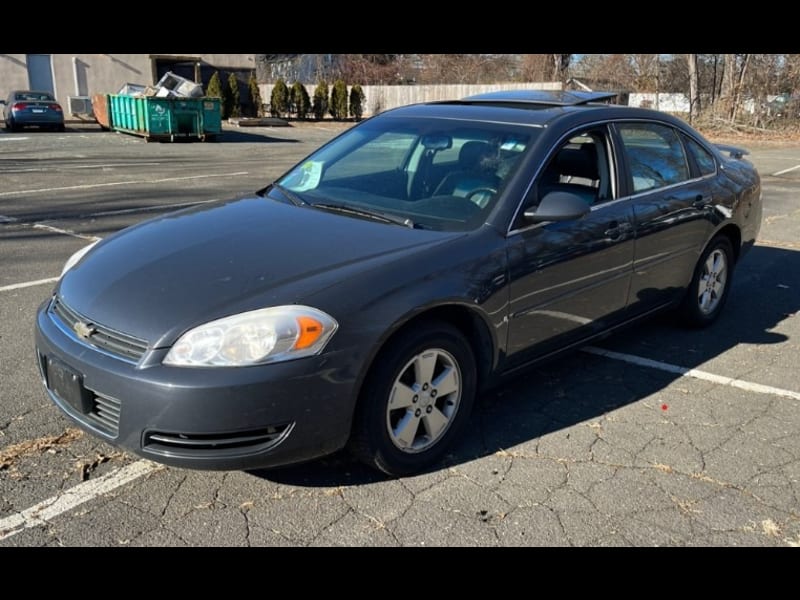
[(366, 297)]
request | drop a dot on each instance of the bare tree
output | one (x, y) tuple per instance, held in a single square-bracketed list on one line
[(466, 68), (645, 72), (737, 100), (561, 64), (535, 67), (608, 70), (694, 88), (370, 69)]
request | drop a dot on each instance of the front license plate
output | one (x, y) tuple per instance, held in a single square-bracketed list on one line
[(68, 385)]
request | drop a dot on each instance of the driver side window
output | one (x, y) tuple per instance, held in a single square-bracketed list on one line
[(581, 166)]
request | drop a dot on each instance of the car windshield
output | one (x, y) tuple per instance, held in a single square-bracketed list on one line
[(442, 174), (34, 96)]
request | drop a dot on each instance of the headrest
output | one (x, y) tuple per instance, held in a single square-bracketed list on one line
[(578, 162), (471, 153)]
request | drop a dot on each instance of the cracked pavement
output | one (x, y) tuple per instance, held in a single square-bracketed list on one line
[(586, 451)]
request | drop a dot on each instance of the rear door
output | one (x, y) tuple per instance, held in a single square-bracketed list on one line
[(670, 202)]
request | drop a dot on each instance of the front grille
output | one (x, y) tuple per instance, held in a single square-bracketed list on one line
[(105, 414), (193, 444), (111, 341)]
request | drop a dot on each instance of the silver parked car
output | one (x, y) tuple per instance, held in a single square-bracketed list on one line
[(24, 108)]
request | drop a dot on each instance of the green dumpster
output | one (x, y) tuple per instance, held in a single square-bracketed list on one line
[(157, 118)]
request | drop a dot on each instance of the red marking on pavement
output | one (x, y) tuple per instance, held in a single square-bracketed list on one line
[(664, 407)]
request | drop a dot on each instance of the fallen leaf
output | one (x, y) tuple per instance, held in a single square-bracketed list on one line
[(43, 444), (770, 527)]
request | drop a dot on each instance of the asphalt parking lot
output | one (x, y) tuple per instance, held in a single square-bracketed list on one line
[(659, 436)]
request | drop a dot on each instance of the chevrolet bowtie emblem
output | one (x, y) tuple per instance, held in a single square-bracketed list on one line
[(83, 330)]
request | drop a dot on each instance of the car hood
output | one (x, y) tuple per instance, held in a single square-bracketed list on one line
[(162, 277)]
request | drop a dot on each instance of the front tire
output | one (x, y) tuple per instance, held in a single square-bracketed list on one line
[(416, 400), (710, 284)]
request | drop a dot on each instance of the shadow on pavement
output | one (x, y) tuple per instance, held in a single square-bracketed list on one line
[(582, 387), (229, 136)]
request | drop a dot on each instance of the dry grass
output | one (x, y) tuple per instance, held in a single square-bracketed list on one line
[(50, 442)]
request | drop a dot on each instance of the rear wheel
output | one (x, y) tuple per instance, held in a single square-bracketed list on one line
[(416, 400), (709, 288)]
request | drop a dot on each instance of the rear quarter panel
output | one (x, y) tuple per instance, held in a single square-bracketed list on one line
[(738, 189)]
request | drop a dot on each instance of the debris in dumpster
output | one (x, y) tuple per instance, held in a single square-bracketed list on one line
[(169, 86), (179, 86), (131, 89)]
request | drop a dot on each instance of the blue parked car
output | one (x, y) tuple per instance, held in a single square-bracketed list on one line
[(27, 108)]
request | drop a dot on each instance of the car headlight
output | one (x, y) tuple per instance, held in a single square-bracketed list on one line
[(73, 260), (257, 337)]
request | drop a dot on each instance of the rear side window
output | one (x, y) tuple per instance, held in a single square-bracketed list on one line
[(655, 155), (705, 162)]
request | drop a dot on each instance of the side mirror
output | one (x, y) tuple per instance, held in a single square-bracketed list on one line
[(558, 206), (437, 142), (2, 101)]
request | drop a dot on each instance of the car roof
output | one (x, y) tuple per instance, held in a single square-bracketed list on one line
[(533, 108), (548, 97), (15, 92)]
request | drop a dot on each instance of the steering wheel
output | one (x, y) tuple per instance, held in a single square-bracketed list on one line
[(481, 201)]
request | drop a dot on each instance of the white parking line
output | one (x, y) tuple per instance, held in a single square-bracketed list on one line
[(12, 139), (143, 209), (51, 508), (77, 167), (75, 496), (19, 286), (91, 238), (776, 173), (116, 183), (695, 373)]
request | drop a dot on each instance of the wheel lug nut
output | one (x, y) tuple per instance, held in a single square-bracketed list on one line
[(415, 399), (417, 412), (424, 386), (433, 393), (429, 409)]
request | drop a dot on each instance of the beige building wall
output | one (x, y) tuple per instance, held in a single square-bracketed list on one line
[(86, 74)]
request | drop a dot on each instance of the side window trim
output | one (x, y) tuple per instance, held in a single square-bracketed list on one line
[(611, 157)]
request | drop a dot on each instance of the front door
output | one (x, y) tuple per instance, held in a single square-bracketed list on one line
[(570, 279)]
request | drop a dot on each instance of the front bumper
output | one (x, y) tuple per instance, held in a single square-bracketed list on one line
[(201, 418)]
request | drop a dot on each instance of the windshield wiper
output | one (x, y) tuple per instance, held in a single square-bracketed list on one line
[(363, 212), (296, 200)]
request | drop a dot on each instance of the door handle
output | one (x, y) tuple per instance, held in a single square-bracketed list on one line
[(616, 229), (701, 201)]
